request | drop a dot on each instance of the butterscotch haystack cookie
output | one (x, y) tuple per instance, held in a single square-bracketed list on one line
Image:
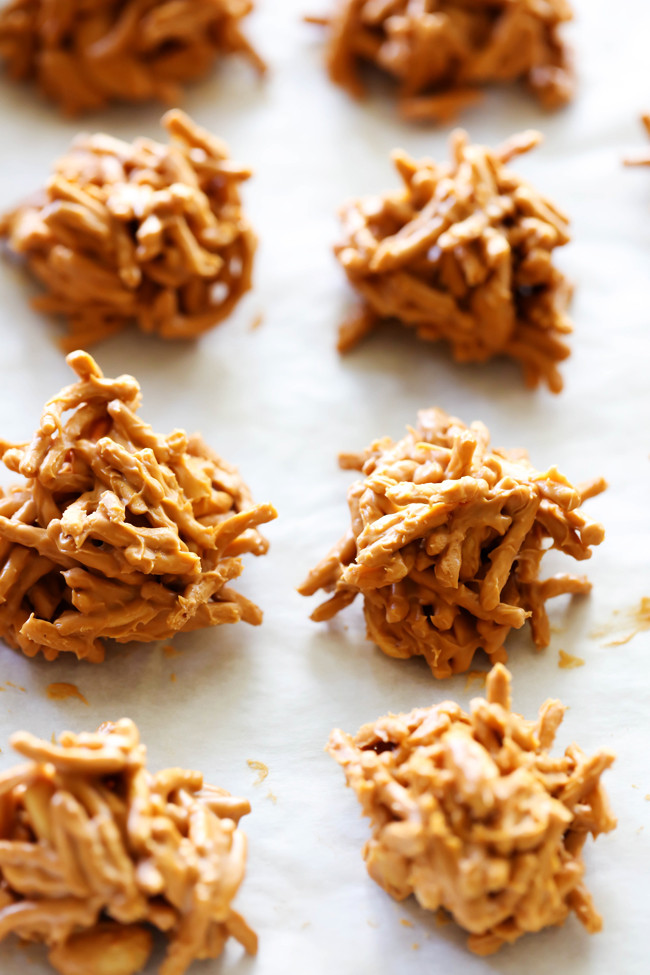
[(96, 851), (463, 253), (442, 53), (471, 813), (84, 54), (118, 532), (142, 233), (446, 542), (640, 158)]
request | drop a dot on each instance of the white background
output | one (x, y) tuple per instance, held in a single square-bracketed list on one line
[(279, 402)]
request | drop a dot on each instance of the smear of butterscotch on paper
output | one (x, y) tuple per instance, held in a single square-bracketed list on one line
[(628, 623), (62, 691), (567, 661)]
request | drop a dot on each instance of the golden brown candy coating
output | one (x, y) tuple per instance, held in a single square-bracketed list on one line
[(471, 813), (446, 540), (118, 532)]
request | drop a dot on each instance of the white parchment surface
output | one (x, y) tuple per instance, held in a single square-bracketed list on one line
[(280, 403)]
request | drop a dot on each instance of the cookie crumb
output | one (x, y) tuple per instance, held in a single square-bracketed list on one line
[(475, 676), (259, 767), (566, 661)]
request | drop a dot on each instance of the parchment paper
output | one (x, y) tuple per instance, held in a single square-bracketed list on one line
[(279, 402)]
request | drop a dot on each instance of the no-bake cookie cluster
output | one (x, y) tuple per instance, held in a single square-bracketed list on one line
[(472, 814), (96, 852), (446, 540), (140, 233), (84, 54), (117, 532)]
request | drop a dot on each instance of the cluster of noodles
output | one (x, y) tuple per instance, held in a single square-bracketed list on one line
[(139, 233), (84, 54), (472, 814), (446, 541), (95, 851), (118, 532), (463, 253), (442, 53)]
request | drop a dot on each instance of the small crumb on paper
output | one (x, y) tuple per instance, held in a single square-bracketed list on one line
[(407, 924), (647, 797), (172, 678), (475, 676), (17, 687), (568, 662), (257, 321), (415, 946), (261, 769), (62, 691), (171, 651), (271, 795)]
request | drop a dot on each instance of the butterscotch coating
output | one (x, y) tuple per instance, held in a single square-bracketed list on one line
[(442, 53), (96, 852), (463, 253), (138, 233), (446, 540), (84, 54), (117, 532), (470, 812)]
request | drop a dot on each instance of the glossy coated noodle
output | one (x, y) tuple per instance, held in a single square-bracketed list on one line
[(446, 540)]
